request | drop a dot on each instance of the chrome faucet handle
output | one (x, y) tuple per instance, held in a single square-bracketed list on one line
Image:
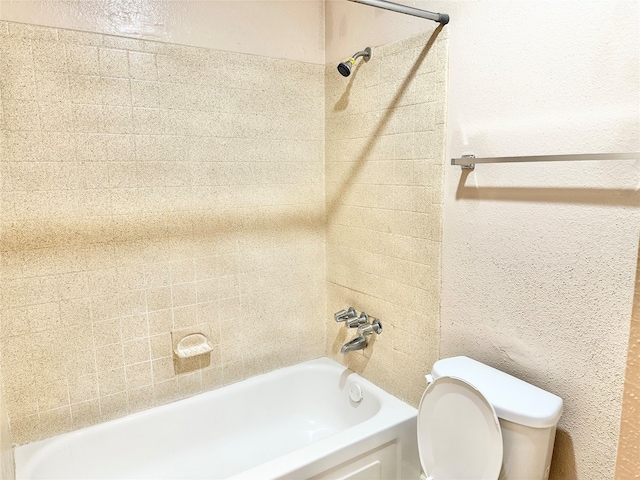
[(374, 327), (345, 315), (357, 322)]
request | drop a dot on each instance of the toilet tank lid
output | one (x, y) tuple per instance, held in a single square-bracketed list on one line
[(513, 399)]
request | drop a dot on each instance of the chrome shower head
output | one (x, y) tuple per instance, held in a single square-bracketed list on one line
[(345, 67)]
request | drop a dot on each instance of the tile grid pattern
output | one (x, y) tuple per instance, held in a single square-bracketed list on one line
[(385, 131), (628, 462), (148, 188)]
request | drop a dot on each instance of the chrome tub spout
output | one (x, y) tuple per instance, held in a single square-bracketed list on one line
[(357, 343)]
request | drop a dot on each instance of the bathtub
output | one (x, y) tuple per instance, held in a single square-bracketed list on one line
[(298, 422)]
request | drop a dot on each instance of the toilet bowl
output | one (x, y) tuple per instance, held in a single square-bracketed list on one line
[(476, 422)]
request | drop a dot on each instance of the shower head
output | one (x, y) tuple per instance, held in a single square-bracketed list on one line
[(345, 67)]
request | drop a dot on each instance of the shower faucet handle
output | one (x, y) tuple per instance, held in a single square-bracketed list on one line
[(351, 318), (345, 315), (374, 327), (356, 322)]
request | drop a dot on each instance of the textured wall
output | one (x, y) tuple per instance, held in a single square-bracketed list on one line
[(539, 259), (628, 463), (148, 187), (273, 28), (384, 163)]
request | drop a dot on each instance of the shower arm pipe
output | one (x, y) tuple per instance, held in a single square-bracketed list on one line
[(469, 161), (364, 53), (442, 18)]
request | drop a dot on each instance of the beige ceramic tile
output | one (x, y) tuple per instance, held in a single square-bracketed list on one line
[(114, 406), (21, 115), (144, 94), (111, 382), (86, 89), (116, 91), (55, 421), (138, 375), (134, 327), (85, 414), (142, 66), (53, 395), (83, 388), (49, 56), (141, 398), (18, 83), (162, 369), (113, 62), (83, 59)]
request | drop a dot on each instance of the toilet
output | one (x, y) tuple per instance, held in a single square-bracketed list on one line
[(478, 423)]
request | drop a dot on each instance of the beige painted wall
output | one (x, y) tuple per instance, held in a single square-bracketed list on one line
[(628, 463), (538, 260), (149, 188), (292, 29), (385, 137)]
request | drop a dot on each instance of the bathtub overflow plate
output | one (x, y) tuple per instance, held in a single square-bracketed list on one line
[(355, 393)]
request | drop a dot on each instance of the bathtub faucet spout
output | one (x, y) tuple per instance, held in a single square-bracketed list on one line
[(361, 341), (357, 343)]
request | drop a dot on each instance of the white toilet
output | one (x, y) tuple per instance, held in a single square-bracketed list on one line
[(478, 423)]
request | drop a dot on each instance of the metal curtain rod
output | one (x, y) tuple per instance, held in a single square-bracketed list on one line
[(470, 161), (442, 18)]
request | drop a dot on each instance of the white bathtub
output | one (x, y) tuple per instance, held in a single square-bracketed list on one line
[(295, 423)]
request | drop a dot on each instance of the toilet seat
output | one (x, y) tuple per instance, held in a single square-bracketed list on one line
[(459, 436)]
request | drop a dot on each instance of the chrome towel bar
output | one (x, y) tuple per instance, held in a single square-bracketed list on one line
[(469, 161)]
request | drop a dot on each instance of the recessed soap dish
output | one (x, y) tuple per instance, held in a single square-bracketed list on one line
[(192, 346)]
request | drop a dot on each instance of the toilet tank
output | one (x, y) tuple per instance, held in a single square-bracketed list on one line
[(528, 415)]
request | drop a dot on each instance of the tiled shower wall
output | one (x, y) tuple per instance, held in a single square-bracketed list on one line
[(385, 131), (150, 188)]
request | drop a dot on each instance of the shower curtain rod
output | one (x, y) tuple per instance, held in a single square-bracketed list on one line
[(442, 18)]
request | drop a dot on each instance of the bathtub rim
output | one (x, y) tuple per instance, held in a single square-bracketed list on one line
[(392, 412)]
